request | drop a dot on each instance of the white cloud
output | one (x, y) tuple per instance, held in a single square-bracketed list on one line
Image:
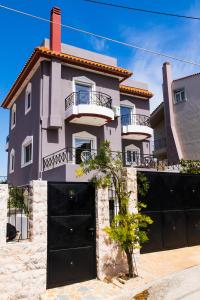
[(98, 44), (182, 41)]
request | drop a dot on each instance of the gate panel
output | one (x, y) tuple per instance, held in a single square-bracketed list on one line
[(173, 202), (71, 233)]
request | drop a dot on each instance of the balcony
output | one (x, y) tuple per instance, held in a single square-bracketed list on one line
[(7, 143), (89, 108), (136, 127)]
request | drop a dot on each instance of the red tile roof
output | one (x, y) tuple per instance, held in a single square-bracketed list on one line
[(42, 52), (135, 91)]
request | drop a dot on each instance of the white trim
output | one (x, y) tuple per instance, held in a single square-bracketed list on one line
[(14, 110), (27, 92), (28, 140), (131, 148), (12, 156), (83, 135), (83, 80)]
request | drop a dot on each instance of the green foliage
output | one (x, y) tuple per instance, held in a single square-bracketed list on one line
[(190, 166), (128, 229), (17, 199), (142, 185)]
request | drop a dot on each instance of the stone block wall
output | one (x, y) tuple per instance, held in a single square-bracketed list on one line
[(23, 264), (110, 259)]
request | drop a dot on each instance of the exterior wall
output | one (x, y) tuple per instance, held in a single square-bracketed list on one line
[(141, 108), (159, 130), (23, 264), (174, 152), (187, 116), (56, 139), (26, 125)]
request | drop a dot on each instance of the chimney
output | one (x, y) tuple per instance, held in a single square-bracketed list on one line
[(55, 29)]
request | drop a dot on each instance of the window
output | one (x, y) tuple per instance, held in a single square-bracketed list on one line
[(28, 98), (83, 93), (84, 145), (13, 116), (12, 161), (83, 149), (126, 115), (179, 96), (132, 156), (27, 152)]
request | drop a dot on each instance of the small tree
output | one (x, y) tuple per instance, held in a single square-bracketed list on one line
[(190, 166), (128, 229)]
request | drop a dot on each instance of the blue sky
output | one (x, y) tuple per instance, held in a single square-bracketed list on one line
[(19, 35)]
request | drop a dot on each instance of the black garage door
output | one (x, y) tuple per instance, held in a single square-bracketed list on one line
[(71, 233), (173, 202)]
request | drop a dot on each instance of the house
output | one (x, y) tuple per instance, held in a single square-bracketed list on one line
[(176, 120), (64, 103)]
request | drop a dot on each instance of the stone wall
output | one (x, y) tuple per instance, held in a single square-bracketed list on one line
[(23, 264), (110, 259)]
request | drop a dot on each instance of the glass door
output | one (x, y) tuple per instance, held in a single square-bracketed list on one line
[(83, 150), (126, 115), (83, 93)]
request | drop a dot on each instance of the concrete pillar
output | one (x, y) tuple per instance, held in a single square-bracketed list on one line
[(4, 195), (130, 178)]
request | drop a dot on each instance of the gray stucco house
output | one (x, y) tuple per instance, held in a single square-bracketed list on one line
[(176, 120), (64, 103)]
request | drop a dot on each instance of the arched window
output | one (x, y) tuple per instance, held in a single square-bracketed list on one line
[(13, 116), (28, 98), (12, 161), (27, 151)]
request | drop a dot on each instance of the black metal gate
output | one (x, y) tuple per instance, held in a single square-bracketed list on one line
[(71, 233), (173, 202)]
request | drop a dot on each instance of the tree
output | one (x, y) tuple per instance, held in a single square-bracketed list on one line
[(128, 229)]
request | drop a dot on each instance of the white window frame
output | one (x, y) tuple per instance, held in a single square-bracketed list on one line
[(12, 157), (27, 92), (131, 148), (28, 140), (179, 91), (13, 111), (86, 136), (83, 80), (133, 111)]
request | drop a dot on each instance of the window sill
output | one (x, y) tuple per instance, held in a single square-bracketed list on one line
[(27, 110), (26, 164)]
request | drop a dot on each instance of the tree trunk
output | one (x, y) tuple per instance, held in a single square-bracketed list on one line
[(130, 263)]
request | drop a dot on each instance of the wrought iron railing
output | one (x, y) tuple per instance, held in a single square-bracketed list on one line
[(132, 119), (160, 143), (3, 179), (77, 155), (97, 98), (18, 214)]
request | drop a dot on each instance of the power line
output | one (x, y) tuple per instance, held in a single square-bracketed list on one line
[(143, 10), (103, 37)]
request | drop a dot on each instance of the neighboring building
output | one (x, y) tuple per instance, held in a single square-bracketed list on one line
[(176, 120), (64, 103), (158, 124)]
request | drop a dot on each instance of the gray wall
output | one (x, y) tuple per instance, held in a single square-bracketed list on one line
[(187, 117), (26, 125)]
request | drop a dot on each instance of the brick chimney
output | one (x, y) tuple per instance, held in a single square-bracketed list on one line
[(55, 30)]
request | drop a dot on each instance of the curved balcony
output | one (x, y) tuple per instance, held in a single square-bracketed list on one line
[(89, 108), (136, 127)]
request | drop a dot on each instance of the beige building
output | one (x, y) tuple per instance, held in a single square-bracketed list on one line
[(176, 120)]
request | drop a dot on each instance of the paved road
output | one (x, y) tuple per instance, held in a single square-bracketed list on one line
[(183, 285)]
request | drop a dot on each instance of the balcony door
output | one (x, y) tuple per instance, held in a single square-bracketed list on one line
[(127, 115), (83, 93), (83, 149)]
